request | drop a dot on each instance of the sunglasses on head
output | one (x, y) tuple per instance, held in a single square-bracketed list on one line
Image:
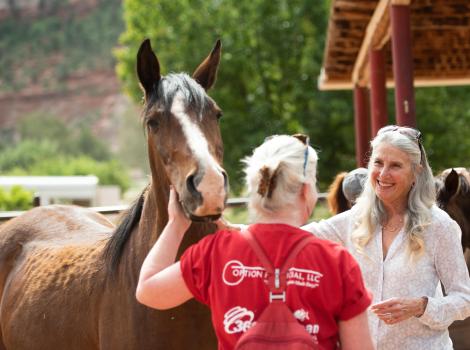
[(305, 140), (411, 133)]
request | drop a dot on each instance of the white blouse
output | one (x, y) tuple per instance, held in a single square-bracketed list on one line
[(397, 276)]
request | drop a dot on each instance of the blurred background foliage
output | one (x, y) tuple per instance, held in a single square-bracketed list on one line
[(272, 54), (56, 43), (47, 146), (16, 198)]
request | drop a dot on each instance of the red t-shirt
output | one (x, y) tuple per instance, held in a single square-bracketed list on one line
[(324, 285)]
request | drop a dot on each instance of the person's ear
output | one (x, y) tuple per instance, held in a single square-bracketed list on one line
[(309, 193)]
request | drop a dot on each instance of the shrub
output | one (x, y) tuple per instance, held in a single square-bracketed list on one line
[(17, 198), (27, 153)]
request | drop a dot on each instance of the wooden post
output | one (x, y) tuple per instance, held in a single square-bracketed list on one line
[(402, 65), (361, 125), (378, 90)]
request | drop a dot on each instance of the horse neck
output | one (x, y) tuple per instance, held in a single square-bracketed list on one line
[(153, 220)]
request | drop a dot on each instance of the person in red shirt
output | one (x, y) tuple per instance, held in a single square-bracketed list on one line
[(325, 289)]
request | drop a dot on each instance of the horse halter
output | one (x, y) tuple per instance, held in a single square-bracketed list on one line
[(411, 133)]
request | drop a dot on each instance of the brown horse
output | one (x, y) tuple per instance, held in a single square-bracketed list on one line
[(337, 201), (68, 277), (453, 196), (345, 189)]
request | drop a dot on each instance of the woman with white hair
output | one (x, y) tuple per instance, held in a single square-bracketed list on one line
[(325, 291), (405, 246)]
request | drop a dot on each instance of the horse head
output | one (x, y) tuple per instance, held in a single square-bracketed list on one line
[(183, 133), (453, 196)]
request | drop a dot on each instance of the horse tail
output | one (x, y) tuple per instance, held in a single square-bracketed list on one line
[(337, 202)]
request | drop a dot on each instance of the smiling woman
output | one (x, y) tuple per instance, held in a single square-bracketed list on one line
[(405, 246)]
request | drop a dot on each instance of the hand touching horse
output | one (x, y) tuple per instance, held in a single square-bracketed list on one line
[(68, 277)]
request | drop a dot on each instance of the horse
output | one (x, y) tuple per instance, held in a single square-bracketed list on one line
[(68, 275), (453, 196), (345, 189), (335, 198)]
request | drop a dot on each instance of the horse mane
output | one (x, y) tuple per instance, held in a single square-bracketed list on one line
[(115, 245), (337, 202), (169, 85)]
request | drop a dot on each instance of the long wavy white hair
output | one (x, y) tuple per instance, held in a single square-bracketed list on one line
[(370, 209)]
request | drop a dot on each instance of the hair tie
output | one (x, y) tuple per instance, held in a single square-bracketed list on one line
[(273, 181), (268, 181), (263, 185)]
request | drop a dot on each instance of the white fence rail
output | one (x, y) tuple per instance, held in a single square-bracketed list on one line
[(116, 209), (48, 188)]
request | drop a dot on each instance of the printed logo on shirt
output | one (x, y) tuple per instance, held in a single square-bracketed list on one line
[(301, 315), (235, 272), (237, 320)]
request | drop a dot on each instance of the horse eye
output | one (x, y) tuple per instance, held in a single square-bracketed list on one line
[(152, 124), (219, 115)]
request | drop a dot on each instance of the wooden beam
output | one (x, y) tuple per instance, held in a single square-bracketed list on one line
[(361, 125), (377, 34), (403, 65), (325, 85), (378, 91)]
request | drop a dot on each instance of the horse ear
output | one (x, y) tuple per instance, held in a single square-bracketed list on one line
[(206, 73), (452, 183), (148, 68)]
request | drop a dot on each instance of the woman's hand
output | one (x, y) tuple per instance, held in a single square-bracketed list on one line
[(176, 215), (396, 310)]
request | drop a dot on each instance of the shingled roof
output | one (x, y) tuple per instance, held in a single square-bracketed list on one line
[(440, 32)]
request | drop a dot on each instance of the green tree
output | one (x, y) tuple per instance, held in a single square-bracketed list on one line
[(271, 57), (272, 54), (443, 116), (76, 139), (48, 146)]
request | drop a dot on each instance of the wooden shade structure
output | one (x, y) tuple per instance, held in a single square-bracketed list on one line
[(374, 44)]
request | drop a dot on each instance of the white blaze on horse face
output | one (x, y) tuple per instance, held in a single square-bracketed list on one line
[(212, 184)]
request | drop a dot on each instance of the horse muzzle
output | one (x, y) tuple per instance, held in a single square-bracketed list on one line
[(205, 195)]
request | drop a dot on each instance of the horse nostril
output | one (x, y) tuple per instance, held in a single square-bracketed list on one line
[(191, 185), (224, 174)]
